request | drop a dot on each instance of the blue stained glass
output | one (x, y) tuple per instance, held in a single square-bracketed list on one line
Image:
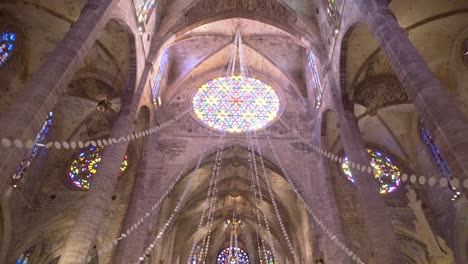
[(233, 255), (161, 71), (38, 142), (7, 45), (435, 153), (316, 83), (25, 257)]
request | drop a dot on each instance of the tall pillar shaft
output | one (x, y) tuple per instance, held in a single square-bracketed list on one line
[(384, 243), (436, 107), (42, 92), (89, 219), (148, 190)]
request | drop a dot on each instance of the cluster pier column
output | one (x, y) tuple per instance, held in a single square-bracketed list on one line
[(89, 219), (383, 241), (40, 95), (148, 190), (436, 107)]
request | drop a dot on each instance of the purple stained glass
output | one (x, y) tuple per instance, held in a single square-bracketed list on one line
[(435, 153)]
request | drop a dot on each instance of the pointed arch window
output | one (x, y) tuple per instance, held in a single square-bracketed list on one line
[(159, 76), (38, 143), (317, 87), (332, 12), (25, 258), (437, 156), (7, 46), (145, 10)]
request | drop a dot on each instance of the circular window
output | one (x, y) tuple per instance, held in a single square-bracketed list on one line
[(236, 104), (387, 173), (84, 167), (7, 45), (234, 255)]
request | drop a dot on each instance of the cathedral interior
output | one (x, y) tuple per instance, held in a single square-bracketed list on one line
[(234, 131)]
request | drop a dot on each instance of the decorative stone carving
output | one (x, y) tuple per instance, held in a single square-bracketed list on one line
[(437, 249), (380, 92), (268, 8)]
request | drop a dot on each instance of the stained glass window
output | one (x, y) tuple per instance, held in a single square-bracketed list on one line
[(233, 255), (268, 258), (387, 173), (317, 88), (85, 165), (435, 153), (25, 258), (38, 141), (145, 10), (332, 12), (7, 46), (161, 71), (236, 104)]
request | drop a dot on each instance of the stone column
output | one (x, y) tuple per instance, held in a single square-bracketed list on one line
[(147, 191), (89, 219), (40, 95), (311, 179), (384, 243), (438, 109)]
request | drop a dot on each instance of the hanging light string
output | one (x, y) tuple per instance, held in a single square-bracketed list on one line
[(176, 210), (316, 219), (213, 203), (454, 184), (273, 200), (108, 247), (211, 191), (100, 142), (258, 195), (246, 70)]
